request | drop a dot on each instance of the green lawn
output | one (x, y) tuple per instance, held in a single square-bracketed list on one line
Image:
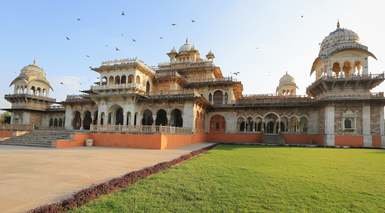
[(233, 178)]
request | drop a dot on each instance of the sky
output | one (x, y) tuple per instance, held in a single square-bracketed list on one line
[(260, 39)]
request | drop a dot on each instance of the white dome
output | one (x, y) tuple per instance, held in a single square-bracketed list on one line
[(32, 72), (186, 47), (286, 80), (340, 39)]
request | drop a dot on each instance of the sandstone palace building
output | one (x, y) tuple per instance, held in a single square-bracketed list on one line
[(190, 95)]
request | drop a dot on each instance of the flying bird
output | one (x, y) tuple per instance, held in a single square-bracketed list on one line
[(133, 40), (301, 16), (78, 19), (235, 73), (87, 56), (61, 83), (117, 49), (161, 37), (68, 38), (122, 13), (173, 24), (193, 21)]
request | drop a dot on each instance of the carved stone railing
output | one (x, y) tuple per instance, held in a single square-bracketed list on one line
[(141, 129), (17, 127), (118, 86)]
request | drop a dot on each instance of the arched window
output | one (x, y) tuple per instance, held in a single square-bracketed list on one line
[(303, 125), (33, 90), (51, 122), (55, 122), (87, 120), (176, 118), (148, 88), (104, 80), (348, 123), (210, 98), (250, 124), (336, 68), (95, 121), (123, 79), (117, 79), (161, 118), (218, 97), (128, 118), (60, 122), (241, 125), (147, 117), (130, 79), (38, 91), (102, 118), (111, 80), (77, 121), (137, 79)]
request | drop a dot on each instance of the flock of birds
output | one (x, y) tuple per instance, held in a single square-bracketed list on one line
[(117, 49)]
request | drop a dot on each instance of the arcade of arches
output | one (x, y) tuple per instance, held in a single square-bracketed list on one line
[(269, 124)]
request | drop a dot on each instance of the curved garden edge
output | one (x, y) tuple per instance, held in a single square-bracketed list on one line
[(86, 195)]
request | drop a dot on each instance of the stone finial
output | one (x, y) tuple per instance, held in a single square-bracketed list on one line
[(338, 24)]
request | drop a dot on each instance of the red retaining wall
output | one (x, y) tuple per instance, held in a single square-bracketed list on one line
[(349, 140), (234, 137), (315, 139), (6, 133), (77, 140), (376, 141)]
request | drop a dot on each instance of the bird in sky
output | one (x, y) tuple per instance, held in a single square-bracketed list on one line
[(173, 24), (78, 19), (193, 21), (68, 38), (235, 73), (301, 16), (123, 13), (161, 37), (133, 40), (117, 49), (87, 56), (61, 83)]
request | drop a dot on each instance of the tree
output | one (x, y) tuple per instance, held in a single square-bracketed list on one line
[(5, 118)]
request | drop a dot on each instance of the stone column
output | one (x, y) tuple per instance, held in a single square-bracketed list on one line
[(382, 126), (329, 126), (366, 125), (153, 119), (68, 118), (81, 120)]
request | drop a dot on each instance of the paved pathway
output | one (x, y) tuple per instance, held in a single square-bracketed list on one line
[(30, 177)]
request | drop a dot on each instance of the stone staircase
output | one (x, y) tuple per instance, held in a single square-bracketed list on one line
[(273, 139), (38, 138)]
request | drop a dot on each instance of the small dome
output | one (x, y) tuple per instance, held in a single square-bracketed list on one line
[(173, 50), (286, 80), (186, 47), (340, 39)]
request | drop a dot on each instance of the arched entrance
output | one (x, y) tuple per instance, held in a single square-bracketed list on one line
[(176, 118), (119, 117), (77, 121), (271, 123), (87, 120), (217, 124), (161, 118), (147, 117)]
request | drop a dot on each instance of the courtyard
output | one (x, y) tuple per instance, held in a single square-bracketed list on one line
[(247, 178), (30, 177)]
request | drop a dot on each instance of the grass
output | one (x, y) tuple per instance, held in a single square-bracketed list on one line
[(234, 178)]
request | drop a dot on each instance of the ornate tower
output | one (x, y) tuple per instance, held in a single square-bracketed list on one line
[(343, 87), (30, 97)]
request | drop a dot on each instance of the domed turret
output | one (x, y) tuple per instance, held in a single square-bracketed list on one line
[(31, 80), (287, 85), (210, 56), (342, 55)]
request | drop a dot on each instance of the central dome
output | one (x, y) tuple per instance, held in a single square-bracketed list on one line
[(186, 47)]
